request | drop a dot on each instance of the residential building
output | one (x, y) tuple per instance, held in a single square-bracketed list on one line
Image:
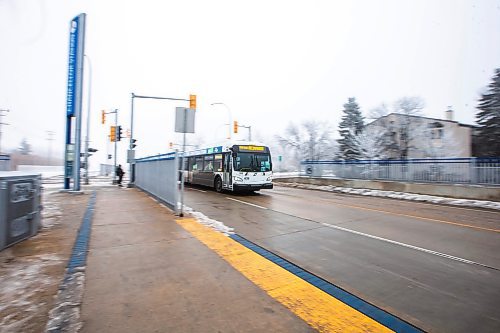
[(401, 136)]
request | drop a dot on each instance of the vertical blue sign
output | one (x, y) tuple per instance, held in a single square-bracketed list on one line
[(73, 46), (74, 100)]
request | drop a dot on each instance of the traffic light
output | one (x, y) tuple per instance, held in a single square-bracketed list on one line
[(192, 102), (90, 150), (235, 127), (118, 133), (133, 143), (103, 117), (112, 133)]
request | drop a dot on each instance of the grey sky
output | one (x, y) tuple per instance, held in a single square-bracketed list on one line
[(271, 62)]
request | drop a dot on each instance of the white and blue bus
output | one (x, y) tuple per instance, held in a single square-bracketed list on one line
[(233, 166)]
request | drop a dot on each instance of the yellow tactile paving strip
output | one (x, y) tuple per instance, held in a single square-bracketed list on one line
[(320, 310)]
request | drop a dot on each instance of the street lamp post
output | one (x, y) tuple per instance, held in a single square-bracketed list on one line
[(229, 114), (88, 121), (249, 128)]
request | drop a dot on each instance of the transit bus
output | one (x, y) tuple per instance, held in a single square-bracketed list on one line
[(234, 166)]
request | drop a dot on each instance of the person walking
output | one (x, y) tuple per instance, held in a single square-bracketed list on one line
[(119, 174)]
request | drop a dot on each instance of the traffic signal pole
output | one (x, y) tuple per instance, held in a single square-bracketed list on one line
[(131, 164), (116, 128), (131, 143), (113, 136)]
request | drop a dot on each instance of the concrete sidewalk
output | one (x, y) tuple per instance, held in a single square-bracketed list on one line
[(145, 273)]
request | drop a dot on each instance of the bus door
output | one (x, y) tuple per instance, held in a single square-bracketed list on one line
[(227, 176)]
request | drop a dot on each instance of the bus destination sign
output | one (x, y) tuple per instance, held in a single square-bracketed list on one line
[(252, 148)]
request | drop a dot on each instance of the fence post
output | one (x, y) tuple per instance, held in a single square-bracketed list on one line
[(473, 172)]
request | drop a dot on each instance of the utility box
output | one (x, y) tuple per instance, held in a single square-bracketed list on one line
[(20, 206)]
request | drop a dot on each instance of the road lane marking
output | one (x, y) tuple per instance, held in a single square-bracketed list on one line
[(422, 203), (319, 309), (195, 189), (440, 254), (247, 203), (417, 217), (407, 215)]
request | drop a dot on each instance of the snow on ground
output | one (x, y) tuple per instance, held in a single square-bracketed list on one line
[(50, 211), (65, 316), (21, 280), (286, 174), (399, 195), (205, 220)]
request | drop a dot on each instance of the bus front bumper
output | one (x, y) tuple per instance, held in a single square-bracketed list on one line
[(252, 187)]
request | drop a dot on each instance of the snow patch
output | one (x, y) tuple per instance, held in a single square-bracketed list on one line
[(65, 316), (214, 224), (21, 279)]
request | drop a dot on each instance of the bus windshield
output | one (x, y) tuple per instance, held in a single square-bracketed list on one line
[(252, 162)]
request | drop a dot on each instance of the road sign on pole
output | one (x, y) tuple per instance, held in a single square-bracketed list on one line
[(184, 123), (184, 120)]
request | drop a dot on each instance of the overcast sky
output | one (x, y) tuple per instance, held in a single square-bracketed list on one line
[(270, 62)]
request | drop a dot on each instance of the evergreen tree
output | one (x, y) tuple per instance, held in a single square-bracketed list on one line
[(25, 147), (488, 119), (351, 125)]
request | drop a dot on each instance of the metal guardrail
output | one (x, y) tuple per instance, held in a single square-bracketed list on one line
[(484, 171), (158, 176)]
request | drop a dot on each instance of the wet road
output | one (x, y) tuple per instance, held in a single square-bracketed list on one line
[(435, 266)]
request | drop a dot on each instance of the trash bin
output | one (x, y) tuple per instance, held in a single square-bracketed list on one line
[(20, 206)]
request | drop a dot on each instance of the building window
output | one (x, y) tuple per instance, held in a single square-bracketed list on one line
[(436, 130)]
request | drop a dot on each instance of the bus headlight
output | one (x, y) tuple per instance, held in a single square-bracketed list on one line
[(270, 178), (237, 179)]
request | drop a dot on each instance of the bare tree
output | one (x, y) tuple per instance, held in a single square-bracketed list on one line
[(25, 147), (410, 106), (400, 130), (378, 111), (311, 140), (371, 143)]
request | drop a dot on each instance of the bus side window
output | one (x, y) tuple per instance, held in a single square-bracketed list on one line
[(199, 163), (209, 161), (218, 163)]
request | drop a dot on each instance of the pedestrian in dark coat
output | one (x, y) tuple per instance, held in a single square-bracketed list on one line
[(119, 174)]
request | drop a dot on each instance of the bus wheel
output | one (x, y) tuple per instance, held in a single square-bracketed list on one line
[(218, 184)]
